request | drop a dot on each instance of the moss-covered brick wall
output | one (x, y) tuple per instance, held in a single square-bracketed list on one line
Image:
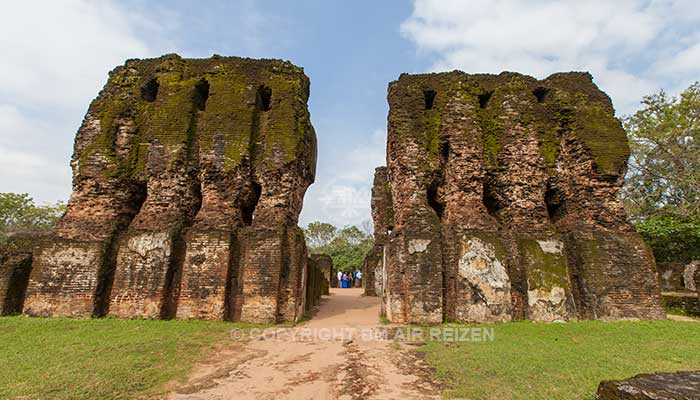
[(535, 167), (174, 158)]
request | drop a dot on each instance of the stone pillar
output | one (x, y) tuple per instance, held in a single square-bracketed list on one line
[(383, 219), (325, 264)]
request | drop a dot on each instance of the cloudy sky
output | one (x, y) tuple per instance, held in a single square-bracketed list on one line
[(56, 55)]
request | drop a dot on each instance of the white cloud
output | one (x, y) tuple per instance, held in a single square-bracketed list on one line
[(60, 56), (342, 192), (56, 56), (616, 41)]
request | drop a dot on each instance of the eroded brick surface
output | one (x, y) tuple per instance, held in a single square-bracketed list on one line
[(504, 193), (188, 179)]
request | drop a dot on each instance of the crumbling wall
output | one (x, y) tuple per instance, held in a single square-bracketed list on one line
[(383, 219), (314, 284), (15, 266), (188, 179), (505, 192), (678, 276), (325, 264)]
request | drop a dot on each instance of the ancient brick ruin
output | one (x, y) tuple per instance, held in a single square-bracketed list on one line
[(383, 219), (324, 263), (188, 179), (501, 202), (16, 256)]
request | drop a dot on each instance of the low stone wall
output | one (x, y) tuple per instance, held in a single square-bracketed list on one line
[(678, 276), (16, 256), (686, 301)]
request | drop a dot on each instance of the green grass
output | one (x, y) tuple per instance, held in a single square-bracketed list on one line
[(676, 311), (561, 361), (100, 358)]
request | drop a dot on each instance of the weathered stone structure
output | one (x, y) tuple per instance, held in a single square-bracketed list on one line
[(15, 266), (325, 264), (314, 284), (504, 193), (383, 219), (188, 179), (679, 276), (683, 385)]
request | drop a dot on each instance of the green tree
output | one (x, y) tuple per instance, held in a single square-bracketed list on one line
[(319, 234), (672, 237), (664, 173), (347, 246), (18, 213)]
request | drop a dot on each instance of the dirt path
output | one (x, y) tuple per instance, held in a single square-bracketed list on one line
[(317, 360)]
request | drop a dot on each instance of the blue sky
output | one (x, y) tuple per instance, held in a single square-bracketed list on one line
[(56, 55)]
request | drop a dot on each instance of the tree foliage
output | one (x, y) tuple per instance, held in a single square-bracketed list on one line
[(662, 191), (18, 213), (672, 237), (346, 246), (319, 234), (664, 174)]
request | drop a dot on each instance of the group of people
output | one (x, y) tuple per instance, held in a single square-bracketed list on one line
[(348, 279)]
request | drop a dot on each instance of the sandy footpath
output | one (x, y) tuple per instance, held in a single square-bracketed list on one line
[(316, 360)]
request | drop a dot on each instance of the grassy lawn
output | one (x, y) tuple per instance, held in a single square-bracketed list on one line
[(561, 361), (99, 358)]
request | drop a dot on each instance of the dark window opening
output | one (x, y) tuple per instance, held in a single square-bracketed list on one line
[(429, 97), (248, 209), (263, 98), (149, 91), (554, 203), (540, 93), (201, 94), (433, 201), (484, 99), (490, 201), (17, 287), (444, 150)]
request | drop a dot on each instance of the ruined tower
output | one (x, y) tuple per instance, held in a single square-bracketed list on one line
[(188, 179), (505, 203)]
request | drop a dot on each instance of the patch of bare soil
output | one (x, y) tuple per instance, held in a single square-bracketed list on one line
[(330, 365)]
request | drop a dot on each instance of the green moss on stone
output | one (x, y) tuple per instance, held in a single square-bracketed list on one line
[(490, 132), (545, 270), (432, 134), (604, 136)]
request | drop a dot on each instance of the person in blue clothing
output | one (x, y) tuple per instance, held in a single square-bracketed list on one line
[(344, 280), (358, 278)]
